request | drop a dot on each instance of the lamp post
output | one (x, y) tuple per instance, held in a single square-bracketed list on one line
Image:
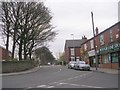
[(73, 46), (94, 40)]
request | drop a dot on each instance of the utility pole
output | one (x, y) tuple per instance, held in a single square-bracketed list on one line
[(94, 40)]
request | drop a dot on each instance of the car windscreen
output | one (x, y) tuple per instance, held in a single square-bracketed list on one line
[(81, 62)]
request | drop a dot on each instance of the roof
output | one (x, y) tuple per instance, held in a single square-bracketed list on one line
[(74, 43), (118, 23)]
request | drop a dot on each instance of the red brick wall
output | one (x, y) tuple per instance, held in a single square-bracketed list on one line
[(109, 65), (67, 54), (114, 32), (3, 54), (106, 37), (77, 52), (97, 42), (88, 46)]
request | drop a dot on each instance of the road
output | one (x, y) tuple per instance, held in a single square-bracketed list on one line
[(61, 77)]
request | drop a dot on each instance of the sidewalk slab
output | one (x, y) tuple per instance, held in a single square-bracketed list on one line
[(105, 70)]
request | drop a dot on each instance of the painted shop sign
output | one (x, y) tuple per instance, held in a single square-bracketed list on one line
[(91, 53), (111, 48)]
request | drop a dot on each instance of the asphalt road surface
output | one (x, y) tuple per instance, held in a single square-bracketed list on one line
[(61, 77)]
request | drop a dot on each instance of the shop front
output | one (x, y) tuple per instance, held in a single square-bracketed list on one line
[(92, 60), (109, 56)]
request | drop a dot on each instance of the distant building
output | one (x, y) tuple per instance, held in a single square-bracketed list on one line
[(72, 49), (3, 54)]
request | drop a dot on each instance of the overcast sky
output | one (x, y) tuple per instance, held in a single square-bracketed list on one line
[(74, 17)]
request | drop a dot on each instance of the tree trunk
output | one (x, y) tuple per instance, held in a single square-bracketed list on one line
[(13, 49), (20, 50), (7, 45)]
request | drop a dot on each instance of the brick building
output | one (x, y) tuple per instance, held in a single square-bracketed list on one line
[(107, 48), (3, 54), (72, 49)]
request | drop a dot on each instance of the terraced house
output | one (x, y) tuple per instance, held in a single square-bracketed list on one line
[(107, 48), (72, 49)]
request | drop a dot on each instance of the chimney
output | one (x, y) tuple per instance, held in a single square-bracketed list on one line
[(97, 31), (84, 37)]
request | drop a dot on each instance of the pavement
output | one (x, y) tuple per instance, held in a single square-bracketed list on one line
[(105, 70), (102, 70), (23, 72)]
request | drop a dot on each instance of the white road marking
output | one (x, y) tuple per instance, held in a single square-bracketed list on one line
[(45, 86), (50, 86), (75, 77), (61, 82), (80, 85), (29, 88), (91, 86), (41, 86)]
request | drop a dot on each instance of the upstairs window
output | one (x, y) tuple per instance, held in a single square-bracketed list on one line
[(102, 39), (111, 37), (85, 47), (92, 44)]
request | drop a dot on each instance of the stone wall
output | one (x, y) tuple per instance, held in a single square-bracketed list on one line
[(17, 66)]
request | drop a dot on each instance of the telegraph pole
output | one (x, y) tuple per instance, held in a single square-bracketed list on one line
[(94, 40)]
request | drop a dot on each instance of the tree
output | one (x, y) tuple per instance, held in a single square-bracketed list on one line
[(30, 24), (62, 58), (6, 26), (44, 55)]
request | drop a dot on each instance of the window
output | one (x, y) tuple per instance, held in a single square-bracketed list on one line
[(92, 44), (114, 57), (105, 58), (72, 51), (72, 58), (111, 37), (101, 40), (85, 47)]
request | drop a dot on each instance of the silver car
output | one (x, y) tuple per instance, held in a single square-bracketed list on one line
[(81, 65), (71, 64)]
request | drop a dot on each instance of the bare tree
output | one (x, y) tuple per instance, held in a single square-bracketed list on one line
[(6, 26), (31, 26)]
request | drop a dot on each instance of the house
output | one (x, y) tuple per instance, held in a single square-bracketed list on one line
[(3, 54), (72, 49), (107, 48)]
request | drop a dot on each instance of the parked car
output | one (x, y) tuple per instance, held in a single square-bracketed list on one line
[(71, 64), (81, 65)]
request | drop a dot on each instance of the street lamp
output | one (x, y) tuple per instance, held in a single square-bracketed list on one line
[(94, 40)]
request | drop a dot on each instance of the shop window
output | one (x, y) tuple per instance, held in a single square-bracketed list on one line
[(105, 58), (102, 39), (114, 57)]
